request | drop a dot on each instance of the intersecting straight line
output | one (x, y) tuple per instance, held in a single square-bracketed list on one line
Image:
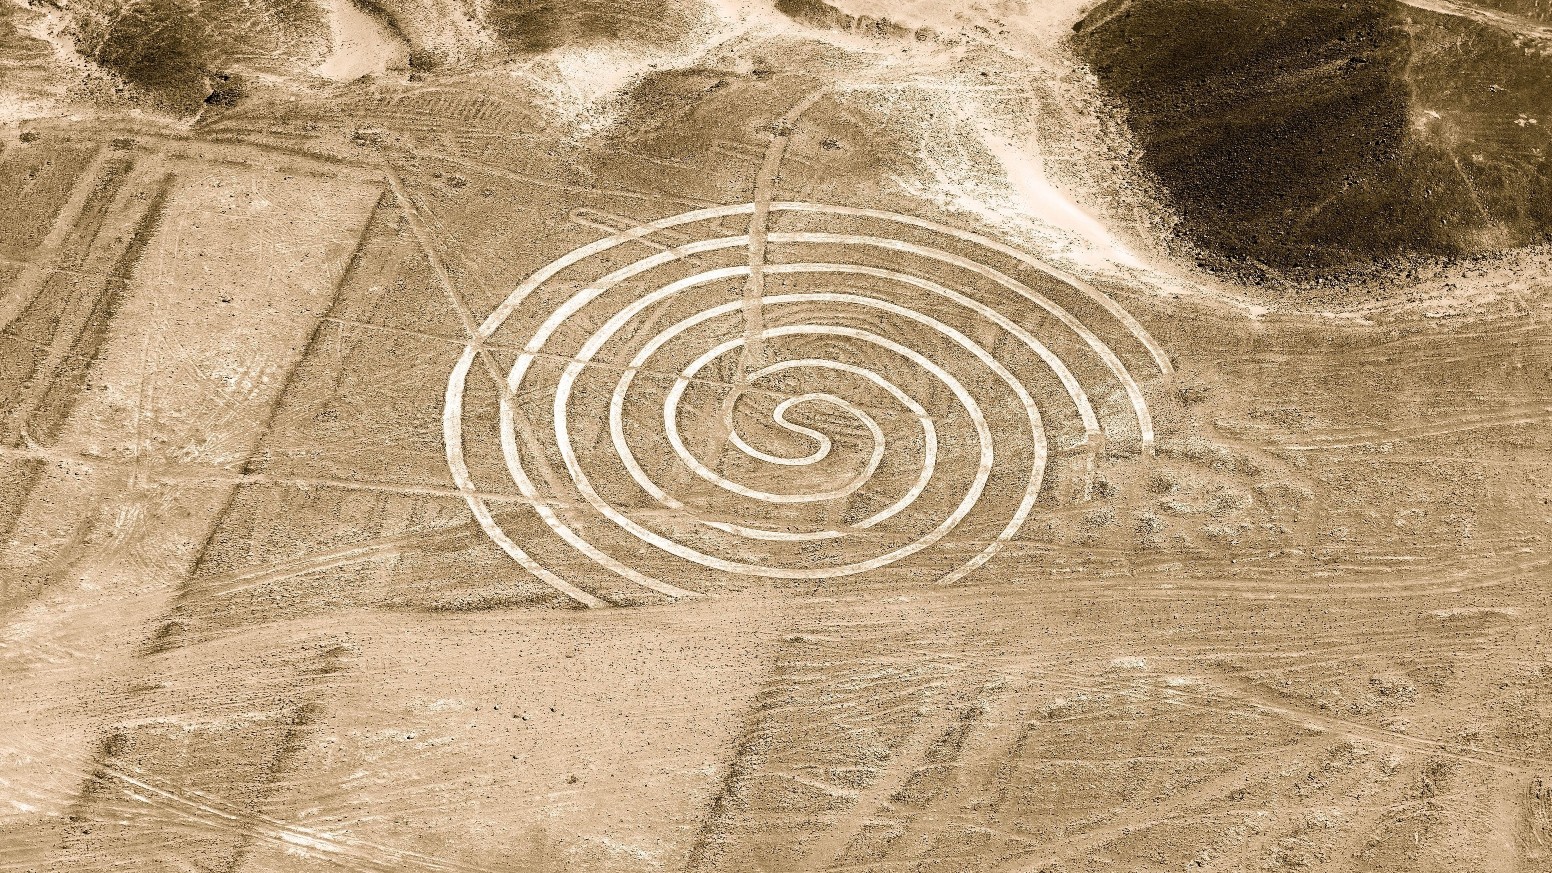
[(521, 425), (412, 214)]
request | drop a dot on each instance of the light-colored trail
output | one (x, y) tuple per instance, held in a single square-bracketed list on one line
[(759, 220)]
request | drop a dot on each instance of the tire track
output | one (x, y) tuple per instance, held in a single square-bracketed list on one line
[(1367, 436)]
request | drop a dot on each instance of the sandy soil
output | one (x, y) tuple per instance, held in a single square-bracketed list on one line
[(734, 438)]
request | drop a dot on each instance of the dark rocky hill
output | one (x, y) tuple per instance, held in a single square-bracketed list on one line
[(1319, 136)]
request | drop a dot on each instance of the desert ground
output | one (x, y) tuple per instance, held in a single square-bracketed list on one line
[(1010, 436)]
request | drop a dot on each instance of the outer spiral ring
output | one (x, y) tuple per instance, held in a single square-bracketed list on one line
[(452, 419)]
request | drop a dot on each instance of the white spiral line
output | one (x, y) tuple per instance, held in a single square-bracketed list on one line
[(453, 410)]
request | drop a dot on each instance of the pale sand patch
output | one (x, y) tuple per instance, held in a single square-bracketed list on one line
[(360, 45)]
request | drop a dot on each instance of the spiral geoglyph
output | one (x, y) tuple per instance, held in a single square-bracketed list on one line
[(889, 398)]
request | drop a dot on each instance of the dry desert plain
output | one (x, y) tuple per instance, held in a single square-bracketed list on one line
[(502, 435)]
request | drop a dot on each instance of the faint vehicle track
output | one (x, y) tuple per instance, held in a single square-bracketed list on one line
[(205, 811), (1244, 692), (1348, 438), (316, 562), (1237, 779)]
